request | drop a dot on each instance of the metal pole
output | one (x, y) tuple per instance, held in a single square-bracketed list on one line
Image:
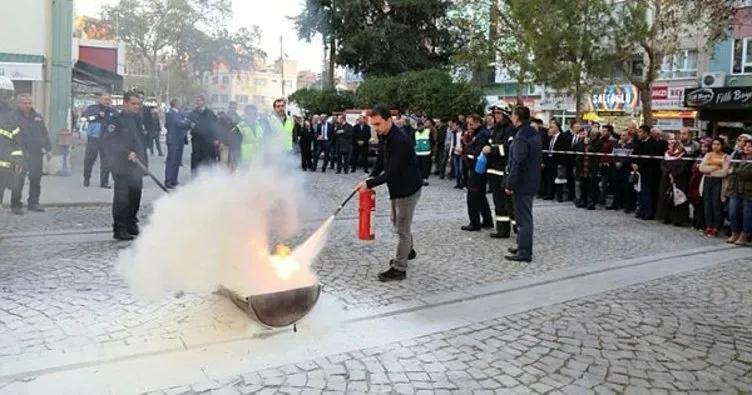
[(282, 63), (61, 66)]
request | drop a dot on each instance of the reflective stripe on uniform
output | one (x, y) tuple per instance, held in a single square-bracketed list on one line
[(470, 157), (4, 164), (17, 152), (495, 172), (500, 147), (502, 219), (513, 222), (9, 134)]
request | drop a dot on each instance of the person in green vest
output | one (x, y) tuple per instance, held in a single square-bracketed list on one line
[(284, 130), (251, 132), (423, 151)]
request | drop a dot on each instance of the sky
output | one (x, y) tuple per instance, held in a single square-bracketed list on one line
[(269, 15)]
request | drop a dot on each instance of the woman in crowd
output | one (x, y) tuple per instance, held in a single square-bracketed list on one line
[(675, 174), (714, 167), (739, 192), (695, 183)]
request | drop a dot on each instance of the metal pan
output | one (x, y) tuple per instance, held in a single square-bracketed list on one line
[(276, 309)]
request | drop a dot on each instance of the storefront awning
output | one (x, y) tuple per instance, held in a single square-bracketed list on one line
[(86, 75), (729, 98)]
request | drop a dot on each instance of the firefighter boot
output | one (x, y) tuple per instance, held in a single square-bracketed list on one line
[(503, 230)]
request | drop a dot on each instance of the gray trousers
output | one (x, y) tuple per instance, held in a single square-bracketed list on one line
[(403, 210)]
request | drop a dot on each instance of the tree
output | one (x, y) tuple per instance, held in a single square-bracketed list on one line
[(380, 37), (564, 39), (649, 31), (327, 101), (430, 92)]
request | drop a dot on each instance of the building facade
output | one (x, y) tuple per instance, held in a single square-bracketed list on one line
[(258, 87)]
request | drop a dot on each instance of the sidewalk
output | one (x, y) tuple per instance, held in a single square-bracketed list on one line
[(69, 191)]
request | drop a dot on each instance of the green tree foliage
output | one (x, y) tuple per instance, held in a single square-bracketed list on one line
[(380, 37), (564, 39), (648, 31), (327, 101), (430, 92)]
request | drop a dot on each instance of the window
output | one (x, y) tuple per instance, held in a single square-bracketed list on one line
[(742, 56), (260, 82), (681, 65), (213, 98), (241, 99), (225, 80), (215, 80), (224, 99)]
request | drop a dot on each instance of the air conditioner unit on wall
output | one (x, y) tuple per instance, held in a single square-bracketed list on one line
[(715, 79)]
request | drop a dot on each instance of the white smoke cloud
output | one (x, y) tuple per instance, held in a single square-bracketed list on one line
[(216, 230)]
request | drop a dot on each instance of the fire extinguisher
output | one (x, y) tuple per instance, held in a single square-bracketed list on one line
[(366, 207)]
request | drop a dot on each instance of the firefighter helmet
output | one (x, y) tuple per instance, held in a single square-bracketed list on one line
[(6, 91)]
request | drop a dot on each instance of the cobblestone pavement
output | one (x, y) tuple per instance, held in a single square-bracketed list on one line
[(683, 334)]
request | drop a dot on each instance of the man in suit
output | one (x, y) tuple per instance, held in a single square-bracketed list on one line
[(361, 137), (557, 141), (177, 137), (324, 143), (523, 181), (204, 138)]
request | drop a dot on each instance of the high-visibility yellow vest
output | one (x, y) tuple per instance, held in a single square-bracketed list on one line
[(251, 139), (423, 142), (282, 137)]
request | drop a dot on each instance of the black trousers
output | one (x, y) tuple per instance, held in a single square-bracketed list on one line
[(154, 140), (32, 170), (477, 204), (589, 191), (343, 161), (360, 157), (94, 149), (306, 156), (202, 155), (126, 200), (424, 164), (523, 212), (502, 205), (7, 177), (326, 148)]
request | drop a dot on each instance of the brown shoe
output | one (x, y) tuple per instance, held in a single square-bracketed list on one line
[(742, 240), (734, 237)]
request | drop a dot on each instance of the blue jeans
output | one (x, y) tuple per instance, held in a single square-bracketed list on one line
[(458, 174), (711, 198), (740, 215)]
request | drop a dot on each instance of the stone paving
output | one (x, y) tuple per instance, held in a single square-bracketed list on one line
[(683, 334)]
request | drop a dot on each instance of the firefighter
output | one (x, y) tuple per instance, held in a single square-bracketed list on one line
[(251, 132), (496, 152), (36, 144), (11, 148)]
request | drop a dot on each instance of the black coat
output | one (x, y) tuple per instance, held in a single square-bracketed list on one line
[(362, 133), (396, 165), (34, 135), (125, 133), (525, 157), (344, 139), (204, 129)]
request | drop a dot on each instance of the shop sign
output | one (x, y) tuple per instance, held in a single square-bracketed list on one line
[(665, 98), (22, 71), (615, 98), (719, 98)]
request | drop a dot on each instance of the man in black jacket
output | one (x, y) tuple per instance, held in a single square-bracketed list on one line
[(125, 142), (496, 152), (204, 138), (397, 167), (361, 137), (477, 204), (36, 143)]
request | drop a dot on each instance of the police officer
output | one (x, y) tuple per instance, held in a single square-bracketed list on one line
[(11, 149), (97, 116), (496, 152), (36, 143), (126, 143)]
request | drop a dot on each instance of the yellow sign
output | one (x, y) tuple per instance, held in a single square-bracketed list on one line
[(674, 114)]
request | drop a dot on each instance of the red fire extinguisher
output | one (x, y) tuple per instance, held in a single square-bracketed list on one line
[(366, 207)]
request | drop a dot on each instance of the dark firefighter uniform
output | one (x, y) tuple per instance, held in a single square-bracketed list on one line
[(11, 151), (503, 134), (36, 141), (126, 134)]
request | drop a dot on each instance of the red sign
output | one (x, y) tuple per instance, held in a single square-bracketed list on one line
[(660, 92)]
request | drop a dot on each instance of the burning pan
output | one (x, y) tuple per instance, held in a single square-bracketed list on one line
[(277, 309)]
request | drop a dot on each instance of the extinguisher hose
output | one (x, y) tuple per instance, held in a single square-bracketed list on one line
[(341, 206)]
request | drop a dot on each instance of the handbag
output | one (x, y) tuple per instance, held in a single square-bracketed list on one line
[(678, 195), (480, 164)]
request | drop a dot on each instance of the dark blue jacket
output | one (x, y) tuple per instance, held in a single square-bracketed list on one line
[(34, 135), (125, 133), (177, 125), (396, 165), (97, 117), (525, 157)]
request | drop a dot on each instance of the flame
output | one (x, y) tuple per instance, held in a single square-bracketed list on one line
[(282, 263)]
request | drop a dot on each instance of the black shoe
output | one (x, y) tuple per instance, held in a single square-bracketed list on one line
[(518, 258), (323, 170), (35, 208), (122, 235), (412, 255), (471, 228), (86, 183), (591, 207), (497, 235), (512, 250), (425, 183), (458, 187), (487, 226), (133, 230), (17, 210), (580, 205), (392, 275), (105, 186)]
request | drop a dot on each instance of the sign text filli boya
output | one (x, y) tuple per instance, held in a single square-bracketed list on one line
[(719, 98)]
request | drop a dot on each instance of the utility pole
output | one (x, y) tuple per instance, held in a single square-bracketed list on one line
[(60, 67), (282, 64)]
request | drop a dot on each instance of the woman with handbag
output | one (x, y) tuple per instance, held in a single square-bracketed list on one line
[(674, 185), (739, 192)]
